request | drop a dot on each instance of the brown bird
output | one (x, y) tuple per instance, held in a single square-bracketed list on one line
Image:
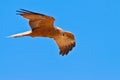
[(43, 26)]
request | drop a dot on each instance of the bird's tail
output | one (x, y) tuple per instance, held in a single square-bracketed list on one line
[(20, 34)]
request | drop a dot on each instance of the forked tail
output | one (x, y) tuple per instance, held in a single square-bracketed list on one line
[(20, 34)]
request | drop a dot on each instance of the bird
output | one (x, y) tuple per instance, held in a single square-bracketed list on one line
[(43, 26)]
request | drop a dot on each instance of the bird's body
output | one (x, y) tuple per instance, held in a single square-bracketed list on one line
[(42, 26), (51, 33)]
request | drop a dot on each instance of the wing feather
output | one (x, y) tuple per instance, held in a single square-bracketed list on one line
[(37, 20)]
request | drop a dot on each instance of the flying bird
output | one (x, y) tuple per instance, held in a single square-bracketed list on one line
[(43, 26)]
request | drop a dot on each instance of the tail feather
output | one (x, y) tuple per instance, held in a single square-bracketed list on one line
[(20, 34)]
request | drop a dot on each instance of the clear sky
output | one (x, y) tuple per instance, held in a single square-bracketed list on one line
[(95, 24)]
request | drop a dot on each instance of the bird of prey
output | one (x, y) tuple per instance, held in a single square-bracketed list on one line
[(43, 26)]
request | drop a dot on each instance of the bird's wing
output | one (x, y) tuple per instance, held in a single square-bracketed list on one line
[(65, 42), (36, 19)]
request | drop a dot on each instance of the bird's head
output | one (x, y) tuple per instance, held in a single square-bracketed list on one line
[(68, 34)]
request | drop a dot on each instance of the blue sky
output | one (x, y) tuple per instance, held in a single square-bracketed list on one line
[(95, 24)]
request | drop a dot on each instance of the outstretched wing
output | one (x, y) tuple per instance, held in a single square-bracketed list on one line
[(37, 20), (65, 42)]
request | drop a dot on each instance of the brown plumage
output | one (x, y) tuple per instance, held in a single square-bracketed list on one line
[(43, 26)]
